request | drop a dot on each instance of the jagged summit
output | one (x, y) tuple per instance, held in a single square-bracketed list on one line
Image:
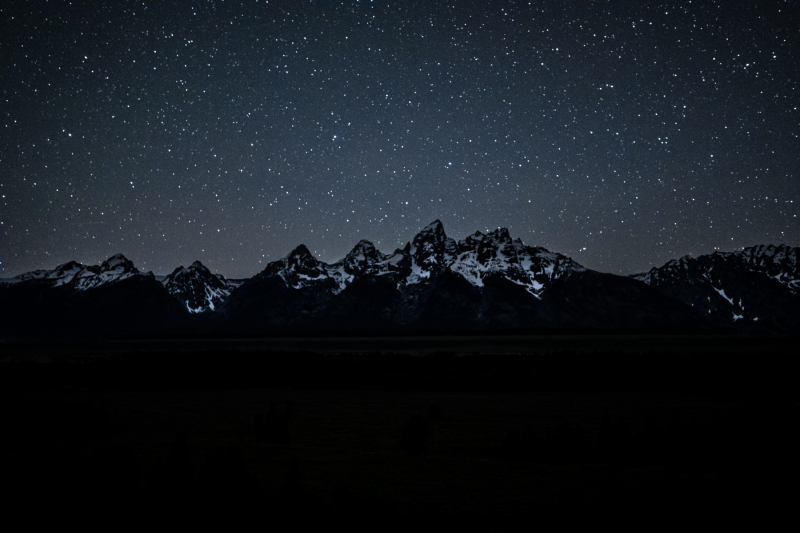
[(427, 250), (433, 232), (195, 266), (500, 235), (472, 240), (362, 246), (71, 266), (301, 259), (117, 262), (197, 288), (82, 277), (485, 280), (299, 251), (363, 256), (435, 227), (429, 254)]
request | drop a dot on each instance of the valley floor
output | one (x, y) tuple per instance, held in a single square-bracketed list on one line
[(351, 464), (549, 433), (415, 441)]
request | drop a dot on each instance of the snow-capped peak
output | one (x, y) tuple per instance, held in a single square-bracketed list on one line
[(363, 259), (114, 269), (81, 277), (433, 232), (300, 255), (363, 255), (118, 262), (197, 288), (495, 253), (479, 255), (363, 247), (67, 269), (428, 254), (500, 235)]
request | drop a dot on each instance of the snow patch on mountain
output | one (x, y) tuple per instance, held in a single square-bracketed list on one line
[(722, 293)]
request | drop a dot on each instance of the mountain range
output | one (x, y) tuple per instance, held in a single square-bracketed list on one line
[(484, 282)]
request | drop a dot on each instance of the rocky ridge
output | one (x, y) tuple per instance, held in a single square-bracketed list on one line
[(197, 288), (484, 281), (80, 277), (756, 285)]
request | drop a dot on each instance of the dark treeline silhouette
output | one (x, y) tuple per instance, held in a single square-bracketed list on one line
[(752, 375)]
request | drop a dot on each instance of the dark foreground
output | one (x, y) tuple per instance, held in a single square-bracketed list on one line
[(636, 433)]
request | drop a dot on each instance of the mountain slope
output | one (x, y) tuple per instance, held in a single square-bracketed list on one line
[(78, 277), (73, 299), (197, 288), (482, 282), (755, 288)]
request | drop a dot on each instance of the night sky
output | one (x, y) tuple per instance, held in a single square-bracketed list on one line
[(619, 133)]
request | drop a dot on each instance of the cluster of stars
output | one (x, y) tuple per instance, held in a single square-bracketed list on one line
[(230, 132)]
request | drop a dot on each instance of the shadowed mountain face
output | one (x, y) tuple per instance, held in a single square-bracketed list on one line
[(110, 299), (755, 289), (78, 277), (483, 282), (434, 282), (197, 288)]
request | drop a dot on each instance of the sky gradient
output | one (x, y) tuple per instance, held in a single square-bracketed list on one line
[(621, 133)]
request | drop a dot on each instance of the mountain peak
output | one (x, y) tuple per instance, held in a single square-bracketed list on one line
[(71, 266), (432, 233), (300, 251), (361, 258), (434, 227), (500, 235), (366, 249), (472, 240), (300, 258), (363, 244), (196, 288), (118, 262)]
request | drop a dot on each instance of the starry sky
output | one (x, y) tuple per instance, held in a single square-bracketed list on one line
[(620, 133)]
